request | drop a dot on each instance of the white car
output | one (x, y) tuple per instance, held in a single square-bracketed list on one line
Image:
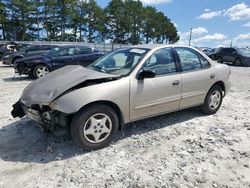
[(124, 86)]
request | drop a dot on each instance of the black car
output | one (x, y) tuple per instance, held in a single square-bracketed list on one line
[(236, 56), (31, 50), (39, 66)]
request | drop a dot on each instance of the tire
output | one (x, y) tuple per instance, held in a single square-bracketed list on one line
[(219, 60), (237, 62), (213, 100), (90, 135), (41, 70), (212, 57)]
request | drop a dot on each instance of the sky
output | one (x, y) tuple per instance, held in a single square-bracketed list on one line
[(214, 23)]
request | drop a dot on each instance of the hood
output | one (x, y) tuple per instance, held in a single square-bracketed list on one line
[(46, 89), (30, 58)]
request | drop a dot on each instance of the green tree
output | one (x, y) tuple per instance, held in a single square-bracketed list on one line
[(134, 17)]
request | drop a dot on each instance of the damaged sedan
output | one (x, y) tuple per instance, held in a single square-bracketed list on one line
[(126, 85)]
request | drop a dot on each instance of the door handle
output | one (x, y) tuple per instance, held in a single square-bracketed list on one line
[(212, 76), (176, 83)]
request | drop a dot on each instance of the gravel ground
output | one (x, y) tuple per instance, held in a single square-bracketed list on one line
[(183, 149)]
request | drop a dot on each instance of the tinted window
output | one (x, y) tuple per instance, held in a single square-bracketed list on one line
[(229, 50), (189, 59), (33, 48), (84, 50), (68, 52), (161, 62), (46, 47)]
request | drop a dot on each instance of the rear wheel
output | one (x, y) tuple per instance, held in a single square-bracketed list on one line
[(40, 71), (237, 62), (213, 100), (95, 127)]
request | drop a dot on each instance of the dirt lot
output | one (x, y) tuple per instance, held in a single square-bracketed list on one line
[(183, 149)]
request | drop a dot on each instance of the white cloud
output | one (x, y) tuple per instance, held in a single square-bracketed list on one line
[(199, 31), (246, 25), (196, 32), (238, 12), (209, 14), (150, 2), (242, 37), (207, 38)]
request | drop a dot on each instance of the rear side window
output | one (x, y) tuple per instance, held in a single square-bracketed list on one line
[(33, 49), (161, 62), (204, 62), (189, 59), (46, 47), (84, 50)]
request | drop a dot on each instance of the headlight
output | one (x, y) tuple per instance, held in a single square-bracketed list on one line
[(6, 56)]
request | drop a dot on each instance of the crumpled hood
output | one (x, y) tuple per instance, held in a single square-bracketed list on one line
[(44, 90)]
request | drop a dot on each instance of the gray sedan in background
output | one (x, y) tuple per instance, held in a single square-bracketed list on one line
[(123, 86)]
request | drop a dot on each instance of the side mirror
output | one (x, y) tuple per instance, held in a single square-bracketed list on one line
[(145, 74)]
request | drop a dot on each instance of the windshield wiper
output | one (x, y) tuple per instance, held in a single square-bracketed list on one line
[(99, 68)]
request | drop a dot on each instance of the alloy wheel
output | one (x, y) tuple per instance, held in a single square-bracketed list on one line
[(97, 128), (42, 71), (214, 100)]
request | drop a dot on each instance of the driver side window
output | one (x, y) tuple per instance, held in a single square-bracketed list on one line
[(161, 62)]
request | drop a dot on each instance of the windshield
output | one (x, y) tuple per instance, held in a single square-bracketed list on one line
[(120, 62), (24, 48), (245, 52)]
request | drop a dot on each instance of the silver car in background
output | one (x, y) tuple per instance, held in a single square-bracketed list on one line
[(124, 86)]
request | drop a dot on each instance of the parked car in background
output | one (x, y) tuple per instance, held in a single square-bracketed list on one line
[(10, 47), (236, 56), (40, 65), (31, 50), (205, 49), (121, 87)]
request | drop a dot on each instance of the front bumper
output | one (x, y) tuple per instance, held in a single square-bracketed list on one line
[(22, 69), (45, 117), (6, 61)]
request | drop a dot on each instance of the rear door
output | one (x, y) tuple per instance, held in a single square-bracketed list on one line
[(197, 76), (160, 94)]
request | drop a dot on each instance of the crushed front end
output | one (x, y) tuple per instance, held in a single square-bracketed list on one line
[(49, 120)]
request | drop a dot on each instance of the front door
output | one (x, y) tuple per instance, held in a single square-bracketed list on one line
[(152, 96), (65, 57)]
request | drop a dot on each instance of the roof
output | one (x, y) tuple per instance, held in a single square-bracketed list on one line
[(152, 46)]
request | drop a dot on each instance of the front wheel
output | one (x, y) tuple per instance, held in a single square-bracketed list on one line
[(94, 127), (219, 60), (40, 71), (213, 100)]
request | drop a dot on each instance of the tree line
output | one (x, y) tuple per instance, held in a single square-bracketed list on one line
[(121, 21)]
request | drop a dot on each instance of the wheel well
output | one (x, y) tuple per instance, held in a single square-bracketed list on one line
[(18, 57), (221, 85), (112, 105)]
